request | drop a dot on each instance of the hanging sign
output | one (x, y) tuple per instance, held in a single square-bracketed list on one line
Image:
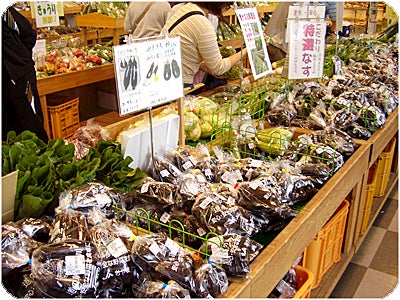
[(148, 73), (46, 14), (306, 32), (254, 39)]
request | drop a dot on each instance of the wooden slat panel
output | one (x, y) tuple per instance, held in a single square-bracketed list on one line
[(57, 83)]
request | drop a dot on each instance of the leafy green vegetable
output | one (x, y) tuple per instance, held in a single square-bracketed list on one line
[(46, 170)]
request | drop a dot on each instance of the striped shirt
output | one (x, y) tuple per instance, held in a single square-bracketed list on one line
[(198, 43)]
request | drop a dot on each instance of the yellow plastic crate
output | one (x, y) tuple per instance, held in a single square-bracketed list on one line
[(304, 278), (369, 197), (385, 160), (63, 119), (326, 247)]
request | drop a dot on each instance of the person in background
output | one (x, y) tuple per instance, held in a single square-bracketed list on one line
[(199, 46), (20, 103), (146, 19), (330, 11)]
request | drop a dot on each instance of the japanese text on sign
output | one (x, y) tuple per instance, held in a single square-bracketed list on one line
[(46, 14), (148, 73), (307, 49), (255, 42)]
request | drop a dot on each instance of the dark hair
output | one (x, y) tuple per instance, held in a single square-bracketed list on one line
[(215, 7)]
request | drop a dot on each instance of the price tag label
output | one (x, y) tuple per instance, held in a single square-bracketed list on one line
[(46, 14)]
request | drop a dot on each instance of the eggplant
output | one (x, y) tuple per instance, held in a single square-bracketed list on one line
[(176, 71), (167, 71), (150, 72), (127, 74), (134, 74)]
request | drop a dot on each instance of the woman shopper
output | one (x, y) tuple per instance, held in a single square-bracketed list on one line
[(146, 19), (199, 46)]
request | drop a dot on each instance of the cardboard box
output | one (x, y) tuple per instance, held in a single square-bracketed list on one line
[(8, 190)]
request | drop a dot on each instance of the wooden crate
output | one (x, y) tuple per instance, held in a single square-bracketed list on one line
[(325, 249), (63, 119)]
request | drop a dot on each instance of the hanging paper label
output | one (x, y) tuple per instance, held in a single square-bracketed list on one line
[(254, 39), (306, 32), (46, 14), (148, 73)]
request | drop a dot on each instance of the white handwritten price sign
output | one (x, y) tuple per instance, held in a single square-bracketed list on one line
[(46, 14), (148, 73), (254, 39), (306, 32)]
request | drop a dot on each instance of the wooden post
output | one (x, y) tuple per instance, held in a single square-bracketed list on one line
[(181, 106)]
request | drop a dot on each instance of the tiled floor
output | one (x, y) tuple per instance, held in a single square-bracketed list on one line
[(373, 271)]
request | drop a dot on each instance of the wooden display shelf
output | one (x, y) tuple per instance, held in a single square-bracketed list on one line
[(272, 263), (96, 20), (382, 136), (62, 82)]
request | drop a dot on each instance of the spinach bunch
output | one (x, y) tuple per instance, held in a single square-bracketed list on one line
[(46, 170)]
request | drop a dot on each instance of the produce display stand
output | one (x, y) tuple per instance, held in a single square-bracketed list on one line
[(96, 20), (272, 263)]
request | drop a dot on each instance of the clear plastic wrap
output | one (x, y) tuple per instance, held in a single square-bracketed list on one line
[(113, 241), (221, 216), (159, 193), (159, 289), (162, 169), (67, 269), (16, 247), (211, 280), (90, 134), (91, 194), (69, 224), (234, 254), (160, 253), (38, 229)]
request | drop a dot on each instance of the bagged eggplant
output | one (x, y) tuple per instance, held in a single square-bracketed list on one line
[(38, 229), (317, 172), (221, 216), (158, 193), (252, 168), (256, 195), (159, 289), (233, 252), (91, 194), (334, 138), (143, 214), (371, 117), (229, 173), (19, 283), (297, 187), (161, 169), (211, 280), (191, 183), (281, 115), (186, 229), (359, 132), (209, 168), (113, 241), (67, 269), (16, 247), (159, 253), (69, 224)]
